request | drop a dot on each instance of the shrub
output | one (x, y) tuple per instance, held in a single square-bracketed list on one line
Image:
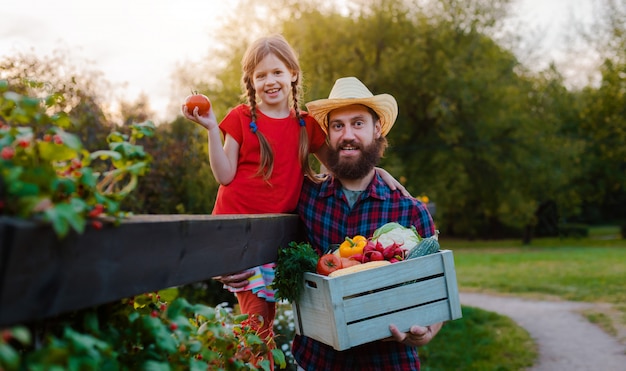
[(142, 333), (46, 173)]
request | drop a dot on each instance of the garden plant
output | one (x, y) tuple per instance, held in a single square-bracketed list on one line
[(48, 176)]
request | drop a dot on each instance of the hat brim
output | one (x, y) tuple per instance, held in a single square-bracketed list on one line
[(384, 105)]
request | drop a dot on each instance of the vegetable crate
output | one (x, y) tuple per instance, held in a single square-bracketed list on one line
[(357, 308)]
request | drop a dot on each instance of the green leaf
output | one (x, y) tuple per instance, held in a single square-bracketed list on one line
[(12, 96), (177, 307), (21, 334), (62, 216), (204, 311), (62, 120), (168, 295), (125, 148), (105, 154), (84, 343), (197, 365), (279, 358), (155, 366), (116, 137), (69, 139), (55, 152), (9, 357), (64, 186), (30, 102)]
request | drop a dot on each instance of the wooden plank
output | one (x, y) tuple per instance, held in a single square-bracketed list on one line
[(377, 328), (387, 301), (42, 276)]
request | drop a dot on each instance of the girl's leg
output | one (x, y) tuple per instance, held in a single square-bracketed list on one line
[(253, 306)]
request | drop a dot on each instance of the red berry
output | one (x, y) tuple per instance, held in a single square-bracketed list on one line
[(154, 314), (47, 138), (173, 326), (23, 143), (96, 224), (57, 139), (76, 163), (8, 153)]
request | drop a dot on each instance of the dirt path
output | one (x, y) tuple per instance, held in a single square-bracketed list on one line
[(566, 340)]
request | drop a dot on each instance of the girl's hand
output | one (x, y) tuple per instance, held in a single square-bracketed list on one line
[(392, 182), (208, 121)]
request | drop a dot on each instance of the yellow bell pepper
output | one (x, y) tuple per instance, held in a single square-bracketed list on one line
[(352, 246)]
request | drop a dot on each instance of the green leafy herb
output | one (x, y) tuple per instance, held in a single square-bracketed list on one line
[(292, 263)]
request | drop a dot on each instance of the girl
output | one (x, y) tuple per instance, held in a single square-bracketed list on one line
[(265, 154), (261, 165)]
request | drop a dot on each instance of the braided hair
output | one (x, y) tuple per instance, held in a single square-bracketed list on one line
[(278, 46)]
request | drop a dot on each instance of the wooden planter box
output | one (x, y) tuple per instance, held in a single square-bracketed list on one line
[(42, 276), (357, 308)]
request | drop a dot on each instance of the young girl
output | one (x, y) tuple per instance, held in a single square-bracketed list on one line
[(261, 166)]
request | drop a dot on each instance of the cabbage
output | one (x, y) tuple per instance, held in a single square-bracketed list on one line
[(395, 232)]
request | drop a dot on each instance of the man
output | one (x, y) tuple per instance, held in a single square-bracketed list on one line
[(356, 201)]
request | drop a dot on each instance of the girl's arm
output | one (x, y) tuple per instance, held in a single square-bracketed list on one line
[(322, 155), (223, 160)]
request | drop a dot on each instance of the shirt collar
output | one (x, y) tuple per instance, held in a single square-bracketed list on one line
[(376, 189)]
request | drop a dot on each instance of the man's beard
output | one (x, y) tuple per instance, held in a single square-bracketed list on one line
[(357, 168)]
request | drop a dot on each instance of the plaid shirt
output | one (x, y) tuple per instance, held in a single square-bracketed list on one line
[(328, 219)]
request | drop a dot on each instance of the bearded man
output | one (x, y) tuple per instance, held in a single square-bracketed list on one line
[(355, 200)]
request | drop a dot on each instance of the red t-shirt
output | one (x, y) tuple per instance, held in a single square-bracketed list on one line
[(250, 194)]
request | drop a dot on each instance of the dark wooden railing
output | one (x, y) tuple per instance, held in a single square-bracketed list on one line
[(42, 276)]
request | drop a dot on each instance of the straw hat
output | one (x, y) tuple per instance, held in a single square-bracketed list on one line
[(348, 91)]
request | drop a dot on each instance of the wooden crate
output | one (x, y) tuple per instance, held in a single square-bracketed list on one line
[(357, 308)]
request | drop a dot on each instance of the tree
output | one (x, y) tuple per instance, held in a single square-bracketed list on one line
[(180, 180), (477, 132), (466, 104), (82, 90)]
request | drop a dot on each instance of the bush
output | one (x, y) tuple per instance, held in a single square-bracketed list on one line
[(141, 333)]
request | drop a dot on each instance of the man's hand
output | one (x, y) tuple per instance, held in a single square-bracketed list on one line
[(417, 335), (237, 280)]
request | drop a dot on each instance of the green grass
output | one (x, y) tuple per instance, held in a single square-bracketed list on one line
[(572, 272), (591, 270), (481, 340)]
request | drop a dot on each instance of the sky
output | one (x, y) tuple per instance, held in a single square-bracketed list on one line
[(137, 44)]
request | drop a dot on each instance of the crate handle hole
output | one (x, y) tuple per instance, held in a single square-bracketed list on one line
[(311, 284)]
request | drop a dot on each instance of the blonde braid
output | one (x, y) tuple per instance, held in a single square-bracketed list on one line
[(303, 143), (266, 163)]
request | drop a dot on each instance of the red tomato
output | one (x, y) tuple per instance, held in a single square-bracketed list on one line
[(328, 263), (198, 100)]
